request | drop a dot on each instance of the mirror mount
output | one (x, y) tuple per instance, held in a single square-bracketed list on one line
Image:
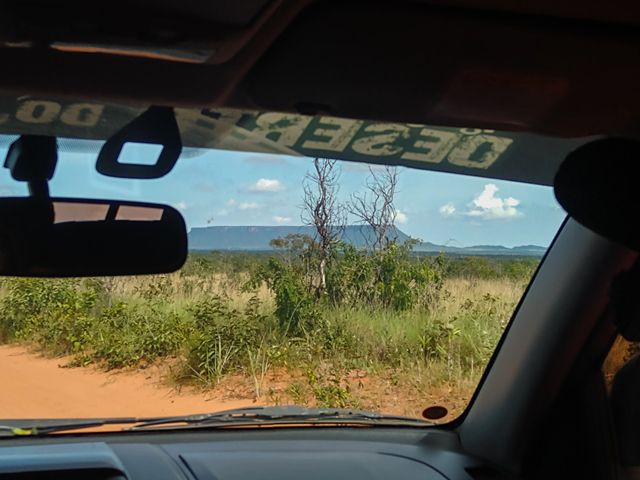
[(33, 159)]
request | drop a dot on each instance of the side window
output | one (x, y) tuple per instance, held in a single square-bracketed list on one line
[(621, 371), (621, 352)]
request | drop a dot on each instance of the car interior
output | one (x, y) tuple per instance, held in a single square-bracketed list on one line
[(549, 92)]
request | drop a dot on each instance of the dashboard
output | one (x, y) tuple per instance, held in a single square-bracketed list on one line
[(334, 453)]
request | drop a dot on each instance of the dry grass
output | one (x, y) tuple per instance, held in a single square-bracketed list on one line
[(396, 362), (463, 289), (184, 289)]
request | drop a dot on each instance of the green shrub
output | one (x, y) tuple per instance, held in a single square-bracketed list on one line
[(436, 338), (329, 389), (480, 322), (53, 313), (130, 334), (222, 339), (296, 303), (381, 311), (388, 278), (515, 268)]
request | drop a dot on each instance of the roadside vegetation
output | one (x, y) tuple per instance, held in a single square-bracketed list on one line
[(315, 321), (390, 329)]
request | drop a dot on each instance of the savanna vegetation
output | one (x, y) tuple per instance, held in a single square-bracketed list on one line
[(315, 321), (388, 330)]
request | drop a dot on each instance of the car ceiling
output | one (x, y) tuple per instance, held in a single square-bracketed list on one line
[(560, 69)]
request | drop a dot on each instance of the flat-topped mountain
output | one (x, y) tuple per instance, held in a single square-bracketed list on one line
[(257, 238)]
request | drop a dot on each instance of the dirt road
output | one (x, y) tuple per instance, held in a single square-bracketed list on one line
[(32, 386)]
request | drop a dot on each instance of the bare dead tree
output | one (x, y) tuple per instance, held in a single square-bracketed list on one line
[(375, 207), (322, 210)]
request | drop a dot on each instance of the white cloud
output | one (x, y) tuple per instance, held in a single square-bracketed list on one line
[(182, 205), (401, 217), (490, 207), (231, 202), (266, 185), (486, 205), (447, 210), (248, 206), (281, 220)]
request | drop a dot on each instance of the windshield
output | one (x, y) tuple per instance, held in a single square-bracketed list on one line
[(309, 282)]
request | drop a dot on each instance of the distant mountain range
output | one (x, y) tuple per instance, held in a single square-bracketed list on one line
[(483, 250), (257, 238)]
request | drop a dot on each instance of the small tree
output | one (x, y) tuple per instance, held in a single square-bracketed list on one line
[(299, 252), (376, 207), (322, 210)]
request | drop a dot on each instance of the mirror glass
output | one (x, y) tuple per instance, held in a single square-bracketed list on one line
[(61, 237)]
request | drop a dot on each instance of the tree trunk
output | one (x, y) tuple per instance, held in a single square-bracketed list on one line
[(322, 285)]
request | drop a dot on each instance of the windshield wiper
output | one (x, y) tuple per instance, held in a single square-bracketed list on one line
[(237, 417), (280, 415), (44, 427)]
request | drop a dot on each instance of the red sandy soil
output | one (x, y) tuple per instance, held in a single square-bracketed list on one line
[(34, 386)]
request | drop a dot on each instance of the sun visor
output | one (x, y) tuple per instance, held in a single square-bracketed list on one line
[(471, 151), (185, 32)]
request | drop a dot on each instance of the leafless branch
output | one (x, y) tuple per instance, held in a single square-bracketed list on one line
[(322, 209), (376, 207)]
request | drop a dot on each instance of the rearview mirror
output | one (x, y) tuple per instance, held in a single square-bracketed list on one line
[(597, 185), (61, 237)]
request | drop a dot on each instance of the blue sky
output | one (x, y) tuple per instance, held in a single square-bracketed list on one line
[(235, 188)]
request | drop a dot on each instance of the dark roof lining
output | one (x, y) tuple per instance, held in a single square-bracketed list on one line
[(435, 65)]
